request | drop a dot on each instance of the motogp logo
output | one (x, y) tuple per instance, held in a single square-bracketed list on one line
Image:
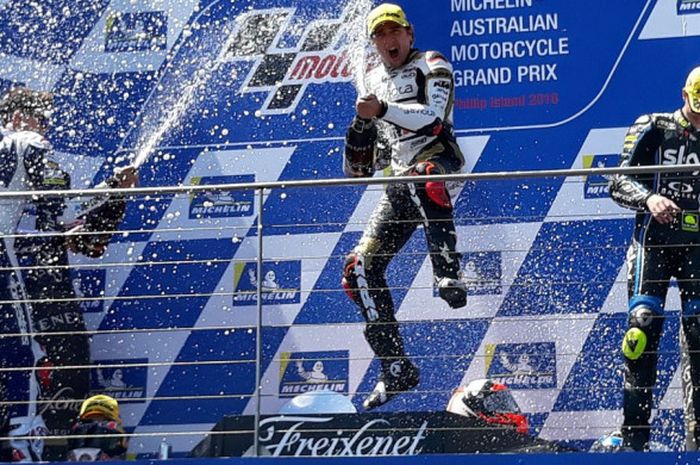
[(320, 55)]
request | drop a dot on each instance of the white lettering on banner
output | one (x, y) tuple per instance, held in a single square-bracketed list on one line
[(537, 73), (689, 6), (362, 442), (548, 41), (267, 296), (478, 5), (504, 75), (509, 50), (243, 207), (597, 190), (504, 25), (305, 387), (482, 76), (526, 380)]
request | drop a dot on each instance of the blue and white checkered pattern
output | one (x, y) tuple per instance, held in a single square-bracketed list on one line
[(544, 258)]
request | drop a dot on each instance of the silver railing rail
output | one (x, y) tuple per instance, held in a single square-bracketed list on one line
[(259, 188), (500, 175)]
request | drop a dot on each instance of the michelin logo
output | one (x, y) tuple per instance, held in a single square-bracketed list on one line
[(523, 366), (280, 284), (136, 31), (123, 383), (481, 272), (672, 19), (686, 7), (313, 371), (219, 204), (596, 186)]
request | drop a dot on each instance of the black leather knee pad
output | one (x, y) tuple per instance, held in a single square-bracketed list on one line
[(349, 280), (384, 338)]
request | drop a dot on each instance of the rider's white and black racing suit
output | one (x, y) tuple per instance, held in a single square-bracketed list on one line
[(414, 133)]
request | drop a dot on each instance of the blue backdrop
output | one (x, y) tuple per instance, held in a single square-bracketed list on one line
[(262, 90)]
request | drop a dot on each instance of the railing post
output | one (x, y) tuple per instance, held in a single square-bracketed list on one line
[(258, 325)]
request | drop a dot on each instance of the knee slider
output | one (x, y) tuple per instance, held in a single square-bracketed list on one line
[(634, 343), (436, 191), (644, 326)]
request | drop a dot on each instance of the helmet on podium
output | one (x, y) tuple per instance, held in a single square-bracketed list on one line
[(489, 400)]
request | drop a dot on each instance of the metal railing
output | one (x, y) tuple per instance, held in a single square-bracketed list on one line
[(260, 189)]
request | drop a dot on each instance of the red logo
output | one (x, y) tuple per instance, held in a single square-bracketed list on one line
[(318, 68)]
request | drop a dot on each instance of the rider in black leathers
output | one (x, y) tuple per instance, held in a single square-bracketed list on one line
[(665, 245), (55, 306), (41, 250)]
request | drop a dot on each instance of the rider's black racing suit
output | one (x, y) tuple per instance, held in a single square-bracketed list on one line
[(25, 164), (415, 132), (659, 252), (42, 251)]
